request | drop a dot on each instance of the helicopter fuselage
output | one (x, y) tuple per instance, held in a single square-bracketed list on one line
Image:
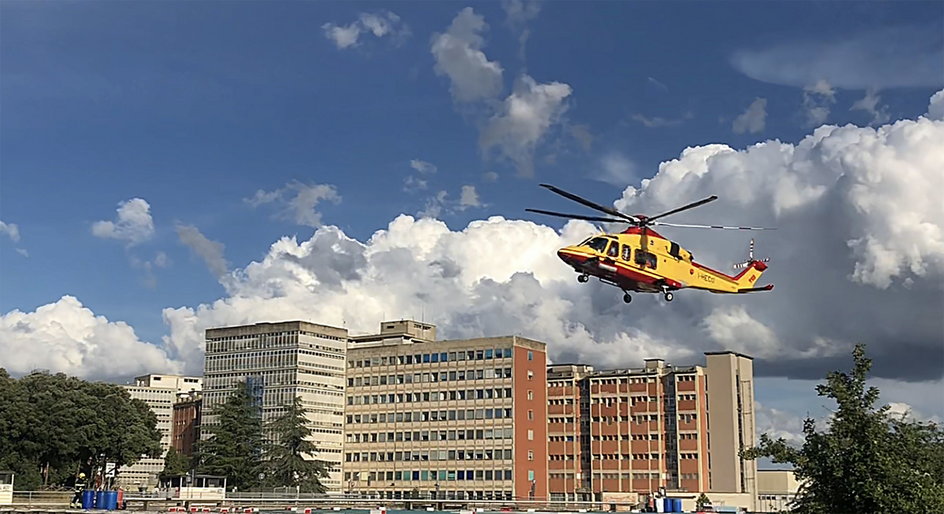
[(640, 259)]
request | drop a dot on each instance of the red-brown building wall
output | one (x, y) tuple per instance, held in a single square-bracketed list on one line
[(530, 394)]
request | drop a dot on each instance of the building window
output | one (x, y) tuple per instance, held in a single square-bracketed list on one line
[(530, 414), (530, 394), (530, 454), (530, 375), (530, 355), (530, 435)]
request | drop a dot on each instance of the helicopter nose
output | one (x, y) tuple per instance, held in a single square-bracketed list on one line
[(565, 255)]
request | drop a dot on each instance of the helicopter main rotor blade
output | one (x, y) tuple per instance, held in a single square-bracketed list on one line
[(576, 216), (592, 205), (684, 207), (721, 227)]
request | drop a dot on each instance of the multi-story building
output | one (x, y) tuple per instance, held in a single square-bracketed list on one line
[(188, 410), (776, 489), (456, 419), (159, 392), (568, 420), (280, 361), (619, 433)]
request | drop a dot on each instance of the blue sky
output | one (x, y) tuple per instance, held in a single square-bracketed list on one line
[(198, 108)]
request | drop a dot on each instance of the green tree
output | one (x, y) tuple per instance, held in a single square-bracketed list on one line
[(702, 501), (288, 456), (175, 465), (52, 426), (235, 447), (866, 461)]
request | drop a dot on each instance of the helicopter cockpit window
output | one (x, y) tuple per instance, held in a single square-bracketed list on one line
[(598, 243)]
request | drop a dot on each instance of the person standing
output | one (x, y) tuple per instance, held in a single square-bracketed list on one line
[(78, 488)]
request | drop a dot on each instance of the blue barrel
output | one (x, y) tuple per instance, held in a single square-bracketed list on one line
[(99, 500), (111, 500), (88, 499), (677, 505)]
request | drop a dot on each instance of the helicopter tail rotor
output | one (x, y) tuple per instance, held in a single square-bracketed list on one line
[(750, 258)]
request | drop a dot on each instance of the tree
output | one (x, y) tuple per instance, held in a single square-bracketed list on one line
[(702, 501), (288, 459), (52, 426), (235, 448), (866, 461), (175, 465)]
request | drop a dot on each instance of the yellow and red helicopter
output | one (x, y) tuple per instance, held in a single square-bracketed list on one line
[(642, 260)]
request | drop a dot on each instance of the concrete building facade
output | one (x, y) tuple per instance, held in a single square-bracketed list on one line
[(454, 419), (280, 361), (159, 392), (624, 434), (776, 489)]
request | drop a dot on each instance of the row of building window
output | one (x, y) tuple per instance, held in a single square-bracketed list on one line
[(429, 358), (631, 380), (441, 475), (427, 416), (434, 396), (436, 455), (289, 337), (627, 476), (433, 435), (429, 378), (626, 456)]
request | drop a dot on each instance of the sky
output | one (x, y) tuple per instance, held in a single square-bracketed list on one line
[(166, 167)]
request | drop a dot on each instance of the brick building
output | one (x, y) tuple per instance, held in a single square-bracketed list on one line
[(620, 434)]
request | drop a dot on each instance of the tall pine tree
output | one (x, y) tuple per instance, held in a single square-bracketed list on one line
[(235, 448), (289, 459), (865, 461)]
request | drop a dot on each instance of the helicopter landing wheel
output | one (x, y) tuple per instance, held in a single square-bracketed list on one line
[(582, 278), (627, 298), (669, 296)]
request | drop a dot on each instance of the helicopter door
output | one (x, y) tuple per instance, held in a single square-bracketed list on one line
[(674, 251)]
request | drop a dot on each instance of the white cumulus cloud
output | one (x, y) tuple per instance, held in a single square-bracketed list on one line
[(753, 119), (210, 251), (469, 197), (67, 337), (132, 225), (297, 202), (459, 56), (936, 106), (870, 105), (817, 99), (524, 119), (857, 257), (894, 56), (11, 230), (423, 167), (380, 24)]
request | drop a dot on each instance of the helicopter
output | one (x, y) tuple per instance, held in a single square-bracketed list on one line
[(639, 259)]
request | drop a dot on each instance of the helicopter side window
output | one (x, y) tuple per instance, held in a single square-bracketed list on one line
[(644, 258), (613, 251), (598, 244), (627, 251)]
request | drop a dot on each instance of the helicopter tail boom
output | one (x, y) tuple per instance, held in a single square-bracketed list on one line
[(746, 280)]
